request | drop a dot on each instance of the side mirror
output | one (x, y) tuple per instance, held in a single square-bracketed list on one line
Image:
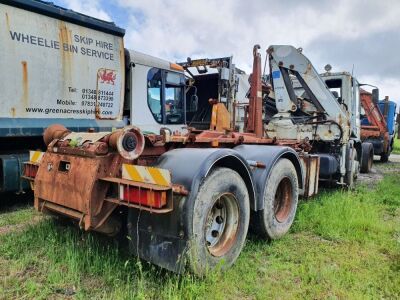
[(375, 96), (194, 103)]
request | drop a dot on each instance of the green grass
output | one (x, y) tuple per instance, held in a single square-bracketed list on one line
[(396, 145), (17, 217), (343, 245)]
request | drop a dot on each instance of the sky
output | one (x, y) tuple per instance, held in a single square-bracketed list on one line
[(358, 36)]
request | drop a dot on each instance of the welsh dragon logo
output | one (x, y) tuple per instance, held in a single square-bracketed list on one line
[(107, 76)]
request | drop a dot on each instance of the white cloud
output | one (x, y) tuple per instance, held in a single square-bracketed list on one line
[(174, 30), (89, 7)]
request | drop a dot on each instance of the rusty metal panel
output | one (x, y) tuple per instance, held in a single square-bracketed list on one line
[(67, 186), (71, 183), (310, 164), (56, 69)]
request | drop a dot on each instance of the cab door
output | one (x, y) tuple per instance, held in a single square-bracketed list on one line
[(157, 99)]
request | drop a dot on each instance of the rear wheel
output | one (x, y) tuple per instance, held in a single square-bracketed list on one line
[(352, 168), (384, 157), (367, 157), (280, 201), (220, 221)]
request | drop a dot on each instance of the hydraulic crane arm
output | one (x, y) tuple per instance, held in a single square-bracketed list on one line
[(286, 61)]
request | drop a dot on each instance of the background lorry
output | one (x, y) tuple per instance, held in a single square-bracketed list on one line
[(51, 70), (308, 110), (378, 120), (63, 67), (346, 89)]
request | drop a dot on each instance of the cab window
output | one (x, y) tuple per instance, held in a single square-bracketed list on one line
[(174, 100), (154, 97), (165, 96), (335, 86)]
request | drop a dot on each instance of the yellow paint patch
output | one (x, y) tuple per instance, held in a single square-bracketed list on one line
[(146, 174), (158, 176), (35, 156), (132, 173)]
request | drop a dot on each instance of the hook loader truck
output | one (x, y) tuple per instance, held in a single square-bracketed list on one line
[(186, 196), (378, 123), (188, 199)]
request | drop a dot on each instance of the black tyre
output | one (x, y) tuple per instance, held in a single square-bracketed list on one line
[(367, 157), (352, 167), (220, 221), (280, 201), (385, 157)]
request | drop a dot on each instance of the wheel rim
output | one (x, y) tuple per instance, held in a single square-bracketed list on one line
[(222, 224), (283, 200)]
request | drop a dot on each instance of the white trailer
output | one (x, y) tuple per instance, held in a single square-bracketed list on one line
[(63, 67)]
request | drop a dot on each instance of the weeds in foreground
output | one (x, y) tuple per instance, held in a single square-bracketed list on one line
[(342, 245)]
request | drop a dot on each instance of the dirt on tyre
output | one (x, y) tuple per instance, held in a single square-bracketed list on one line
[(220, 221), (367, 157), (280, 201)]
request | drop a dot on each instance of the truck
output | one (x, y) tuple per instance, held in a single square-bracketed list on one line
[(375, 133), (53, 62), (307, 109), (348, 92), (71, 69), (186, 195), (187, 199), (378, 119)]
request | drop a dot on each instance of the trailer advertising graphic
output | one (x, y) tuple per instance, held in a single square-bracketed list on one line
[(56, 69)]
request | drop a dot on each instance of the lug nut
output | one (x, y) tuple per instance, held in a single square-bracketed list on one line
[(219, 219)]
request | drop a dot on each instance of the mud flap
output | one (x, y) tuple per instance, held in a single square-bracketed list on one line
[(159, 239), (163, 251)]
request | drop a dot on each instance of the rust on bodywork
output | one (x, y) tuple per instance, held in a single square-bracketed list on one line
[(80, 175), (25, 83), (254, 122), (71, 184), (310, 165), (65, 39), (53, 132), (8, 22)]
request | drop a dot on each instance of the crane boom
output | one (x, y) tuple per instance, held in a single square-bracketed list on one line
[(289, 67), (285, 60)]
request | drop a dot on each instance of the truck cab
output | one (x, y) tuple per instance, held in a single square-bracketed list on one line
[(346, 89), (155, 95), (161, 94)]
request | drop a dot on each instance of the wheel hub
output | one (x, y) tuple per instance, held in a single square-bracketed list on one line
[(222, 224), (283, 200)]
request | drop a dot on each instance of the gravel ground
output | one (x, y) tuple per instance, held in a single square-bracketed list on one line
[(379, 169)]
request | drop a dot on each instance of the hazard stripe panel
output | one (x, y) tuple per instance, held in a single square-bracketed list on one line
[(146, 174), (35, 156)]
